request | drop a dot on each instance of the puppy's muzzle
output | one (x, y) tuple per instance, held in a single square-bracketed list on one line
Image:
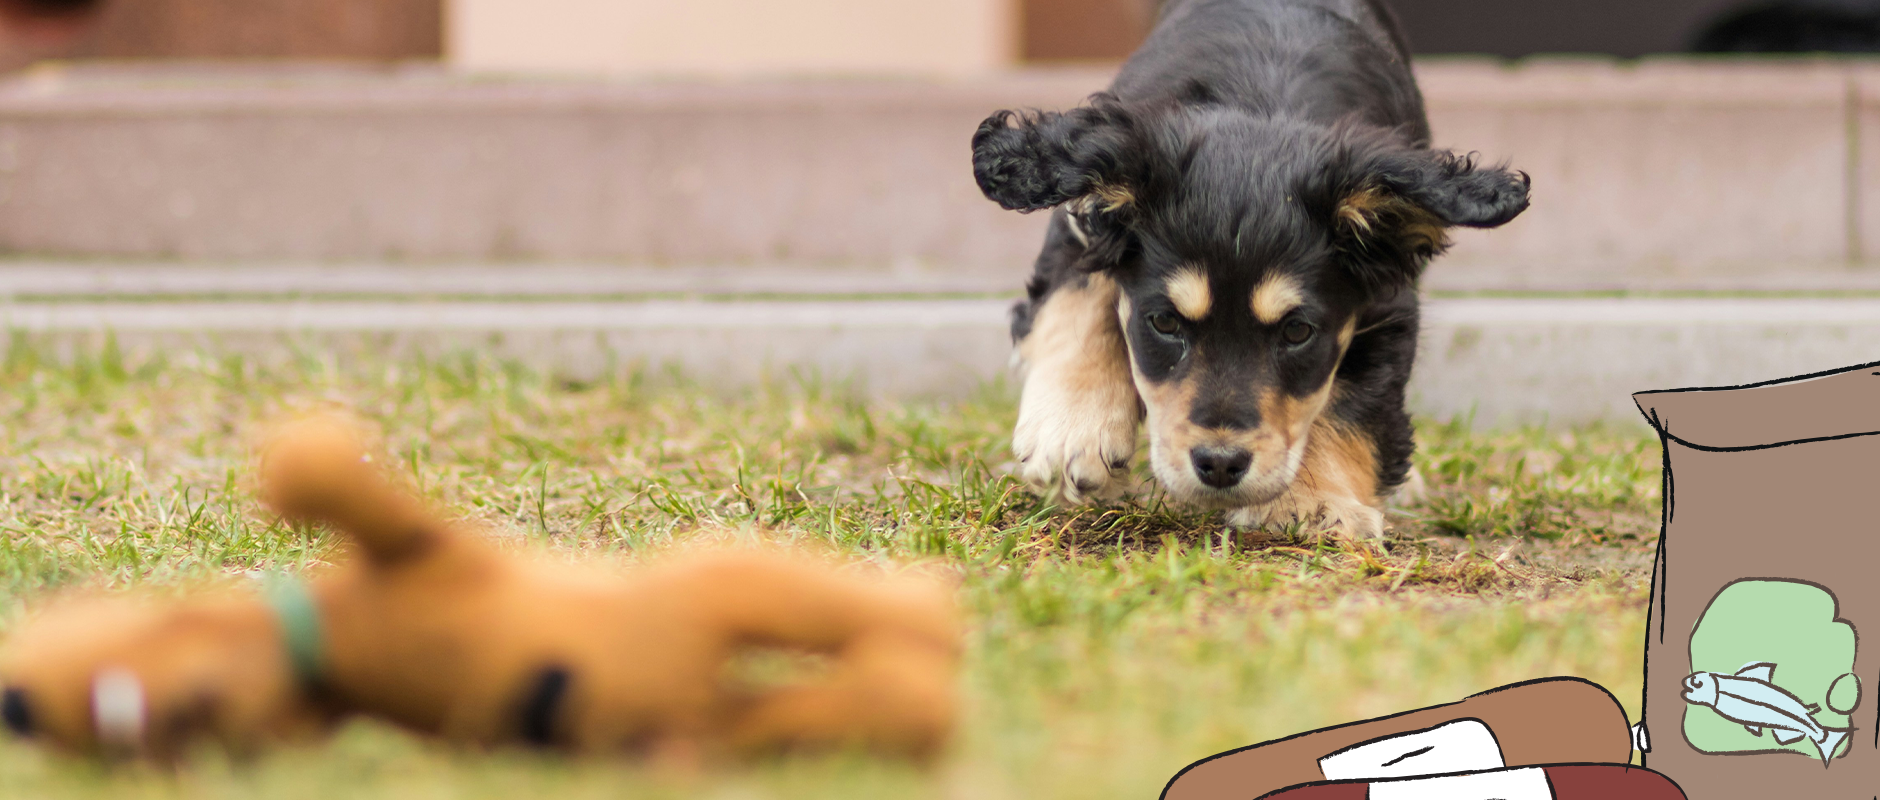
[(1220, 467)]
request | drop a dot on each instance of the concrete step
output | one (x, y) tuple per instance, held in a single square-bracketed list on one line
[(66, 278), (1498, 360), (42, 279), (1661, 170)]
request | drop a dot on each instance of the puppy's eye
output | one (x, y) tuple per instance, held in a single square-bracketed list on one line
[(1297, 333), (1165, 323)]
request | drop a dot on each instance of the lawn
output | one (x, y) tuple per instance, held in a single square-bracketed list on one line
[(1108, 647)]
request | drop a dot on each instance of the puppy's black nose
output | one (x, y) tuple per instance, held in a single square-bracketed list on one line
[(16, 712), (1220, 467)]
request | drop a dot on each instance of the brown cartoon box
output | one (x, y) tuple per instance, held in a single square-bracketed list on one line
[(1543, 722), (1754, 679), (1552, 782)]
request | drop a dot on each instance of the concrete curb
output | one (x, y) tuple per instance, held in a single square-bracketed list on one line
[(316, 316), (1501, 361), (75, 279)]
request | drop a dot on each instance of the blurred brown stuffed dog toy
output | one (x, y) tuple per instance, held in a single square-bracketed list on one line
[(136, 677), (435, 629)]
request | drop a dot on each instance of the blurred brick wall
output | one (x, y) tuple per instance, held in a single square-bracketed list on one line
[(368, 29)]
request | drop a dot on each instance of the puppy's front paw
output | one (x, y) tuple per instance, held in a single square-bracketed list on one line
[(1078, 412), (1339, 517), (1074, 449)]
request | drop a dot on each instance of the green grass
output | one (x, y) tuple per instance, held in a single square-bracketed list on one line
[(1108, 647)]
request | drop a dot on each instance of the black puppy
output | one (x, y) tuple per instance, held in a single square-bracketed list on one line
[(1242, 221)]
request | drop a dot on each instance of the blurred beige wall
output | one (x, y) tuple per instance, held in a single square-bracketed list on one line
[(733, 37)]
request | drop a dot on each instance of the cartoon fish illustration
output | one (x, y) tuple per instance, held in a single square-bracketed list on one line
[(1752, 699)]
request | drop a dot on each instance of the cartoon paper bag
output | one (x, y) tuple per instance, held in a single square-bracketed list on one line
[(1755, 683)]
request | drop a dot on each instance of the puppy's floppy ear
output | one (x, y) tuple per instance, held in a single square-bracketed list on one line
[(1454, 189), (1026, 162), (1397, 206)]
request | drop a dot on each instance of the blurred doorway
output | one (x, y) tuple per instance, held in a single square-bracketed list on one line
[(1083, 30), (217, 29)]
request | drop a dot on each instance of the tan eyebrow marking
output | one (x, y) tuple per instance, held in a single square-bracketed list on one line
[(1188, 290), (1275, 296)]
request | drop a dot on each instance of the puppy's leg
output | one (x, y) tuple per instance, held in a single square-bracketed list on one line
[(1078, 412), (1335, 493)]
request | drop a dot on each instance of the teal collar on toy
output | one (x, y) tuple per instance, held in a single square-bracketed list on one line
[(299, 616)]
